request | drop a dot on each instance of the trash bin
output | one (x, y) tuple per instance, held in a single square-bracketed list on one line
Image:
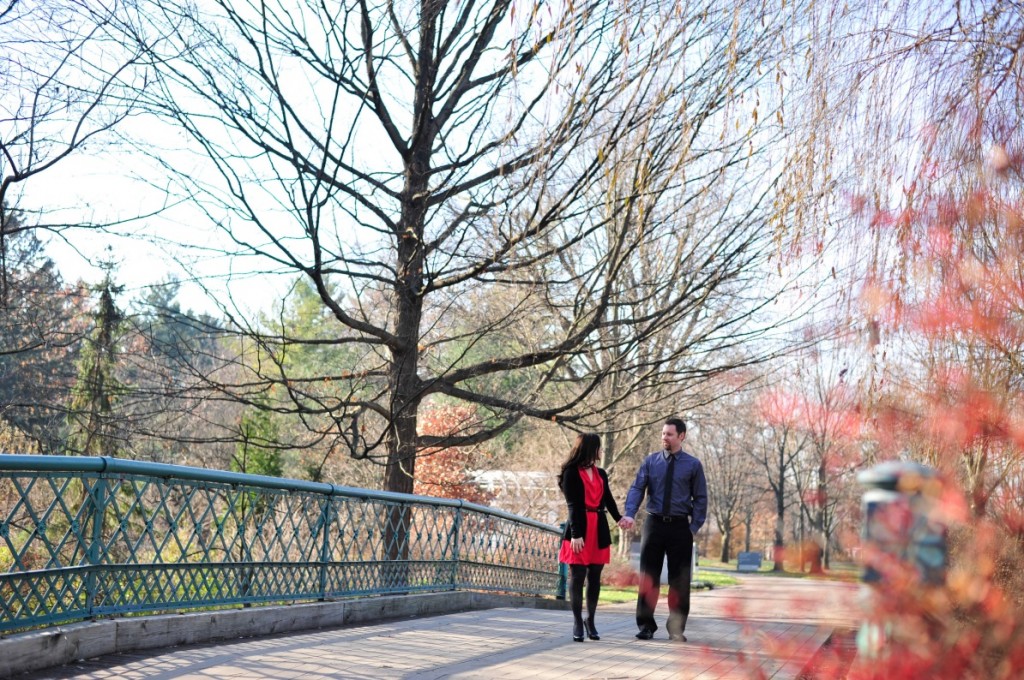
[(901, 522)]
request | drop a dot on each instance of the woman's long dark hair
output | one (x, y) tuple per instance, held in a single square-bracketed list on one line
[(584, 452)]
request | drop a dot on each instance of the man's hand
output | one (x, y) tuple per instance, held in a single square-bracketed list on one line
[(626, 523), (577, 545)]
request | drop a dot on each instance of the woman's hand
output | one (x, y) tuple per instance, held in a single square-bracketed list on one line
[(577, 545)]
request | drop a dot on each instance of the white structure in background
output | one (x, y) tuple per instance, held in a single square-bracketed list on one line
[(531, 493)]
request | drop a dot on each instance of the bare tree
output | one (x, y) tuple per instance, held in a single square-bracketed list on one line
[(498, 191), (832, 425), (677, 367), (781, 444), (728, 432)]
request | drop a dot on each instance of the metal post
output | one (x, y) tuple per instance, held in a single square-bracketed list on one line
[(325, 546), (94, 553), (563, 574), (455, 534)]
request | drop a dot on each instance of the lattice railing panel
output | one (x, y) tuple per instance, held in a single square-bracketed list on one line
[(86, 537)]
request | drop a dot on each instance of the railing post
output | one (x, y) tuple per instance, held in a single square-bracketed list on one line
[(326, 517), (98, 498), (245, 556), (693, 562), (563, 572), (455, 533)]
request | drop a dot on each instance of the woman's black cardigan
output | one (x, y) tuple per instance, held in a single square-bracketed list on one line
[(576, 527)]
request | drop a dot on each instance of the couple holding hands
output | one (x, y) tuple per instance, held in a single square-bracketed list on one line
[(677, 500)]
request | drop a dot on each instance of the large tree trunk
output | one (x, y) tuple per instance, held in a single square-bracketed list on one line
[(408, 288), (399, 474), (780, 527), (748, 519), (726, 546), (401, 464), (818, 530)]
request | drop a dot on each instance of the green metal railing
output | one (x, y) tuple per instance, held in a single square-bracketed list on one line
[(87, 537)]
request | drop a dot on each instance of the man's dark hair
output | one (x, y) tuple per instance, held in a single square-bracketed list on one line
[(678, 424)]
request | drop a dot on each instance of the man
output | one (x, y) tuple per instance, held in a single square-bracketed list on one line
[(677, 505)]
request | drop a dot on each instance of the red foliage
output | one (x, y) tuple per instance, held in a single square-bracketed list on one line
[(444, 471)]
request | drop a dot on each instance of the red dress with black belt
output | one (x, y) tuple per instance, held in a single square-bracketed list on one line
[(593, 493)]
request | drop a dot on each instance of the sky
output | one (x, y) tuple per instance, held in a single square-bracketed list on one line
[(99, 188), (44, 92)]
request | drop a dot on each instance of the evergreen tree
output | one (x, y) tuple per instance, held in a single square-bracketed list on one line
[(255, 453), (94, 430), (39, 337), (181, 337)]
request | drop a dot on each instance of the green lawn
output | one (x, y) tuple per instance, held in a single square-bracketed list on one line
[(616, 595), (841, 571), (715, 578), (726, 577), (612, 595)]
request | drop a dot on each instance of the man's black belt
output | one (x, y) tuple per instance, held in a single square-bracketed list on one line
[(668, 519)]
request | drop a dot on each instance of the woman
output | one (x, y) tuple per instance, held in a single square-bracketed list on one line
[(587, 538)]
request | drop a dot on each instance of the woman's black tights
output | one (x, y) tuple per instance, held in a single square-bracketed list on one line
[(592, 575)]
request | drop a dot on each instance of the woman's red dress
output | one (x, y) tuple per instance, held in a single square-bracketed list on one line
[(593, 492)]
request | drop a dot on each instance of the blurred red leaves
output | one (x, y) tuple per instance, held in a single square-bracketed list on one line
[(954, 315), (943, 320)]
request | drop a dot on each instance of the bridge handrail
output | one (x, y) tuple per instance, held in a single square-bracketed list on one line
[(123, 466), (82, 537)]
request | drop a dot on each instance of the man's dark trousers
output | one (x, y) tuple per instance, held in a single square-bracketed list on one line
[(661, 539)]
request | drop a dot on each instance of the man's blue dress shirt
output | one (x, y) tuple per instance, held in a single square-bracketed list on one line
[(689, 490)]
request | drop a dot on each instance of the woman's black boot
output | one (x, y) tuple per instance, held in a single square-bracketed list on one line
[(593, 595), (577, 575)]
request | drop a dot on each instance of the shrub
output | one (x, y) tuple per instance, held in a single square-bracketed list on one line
[(619, 574)]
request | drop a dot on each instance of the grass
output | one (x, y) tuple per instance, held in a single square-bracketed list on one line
[(724, 575), (716, 579), (617, 595), (614, 595), (839, 571)]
